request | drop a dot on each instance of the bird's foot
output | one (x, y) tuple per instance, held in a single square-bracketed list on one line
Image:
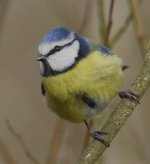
[(129, 95), (98, 135)]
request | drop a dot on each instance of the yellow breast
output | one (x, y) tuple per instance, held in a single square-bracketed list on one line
[(97, 75)]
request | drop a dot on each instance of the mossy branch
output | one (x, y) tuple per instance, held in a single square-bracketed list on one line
[(119, 116)]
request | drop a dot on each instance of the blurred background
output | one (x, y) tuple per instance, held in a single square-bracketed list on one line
[(29, 131)]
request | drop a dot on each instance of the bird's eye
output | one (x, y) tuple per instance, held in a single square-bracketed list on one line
[(57, 48)]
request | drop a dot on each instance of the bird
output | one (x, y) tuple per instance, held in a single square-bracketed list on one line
[(79, 77)]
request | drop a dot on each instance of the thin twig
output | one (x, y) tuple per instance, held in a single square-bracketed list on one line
[(139, 27), (101, 16), (121, 31), (86, 15), (4, 4), (119, 116), (57, 140), (109, 26), (6, 155), (21, 142)]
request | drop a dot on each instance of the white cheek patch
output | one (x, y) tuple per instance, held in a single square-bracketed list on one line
[(64, 58), (45, 48)]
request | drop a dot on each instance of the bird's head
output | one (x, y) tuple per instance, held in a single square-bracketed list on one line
[(60, 50)]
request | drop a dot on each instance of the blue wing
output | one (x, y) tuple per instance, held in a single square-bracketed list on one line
[(94, 46), (105, 50)]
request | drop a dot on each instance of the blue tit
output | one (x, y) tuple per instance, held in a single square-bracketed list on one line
[(79, 77)]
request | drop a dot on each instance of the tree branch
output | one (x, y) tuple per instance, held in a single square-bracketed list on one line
[(120, 114)]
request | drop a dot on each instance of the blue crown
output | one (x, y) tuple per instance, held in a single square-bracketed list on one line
[(56, 35)]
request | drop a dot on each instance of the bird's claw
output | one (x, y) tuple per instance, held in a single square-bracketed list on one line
[(97, 135), (129, 95)]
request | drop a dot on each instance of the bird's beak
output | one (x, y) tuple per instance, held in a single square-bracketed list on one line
[(40, 58)]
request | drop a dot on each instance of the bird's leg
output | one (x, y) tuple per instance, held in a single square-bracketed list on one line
[(129, 95), (97, 135)]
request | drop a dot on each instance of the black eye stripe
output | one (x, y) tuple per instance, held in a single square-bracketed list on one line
[(58, 48)]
